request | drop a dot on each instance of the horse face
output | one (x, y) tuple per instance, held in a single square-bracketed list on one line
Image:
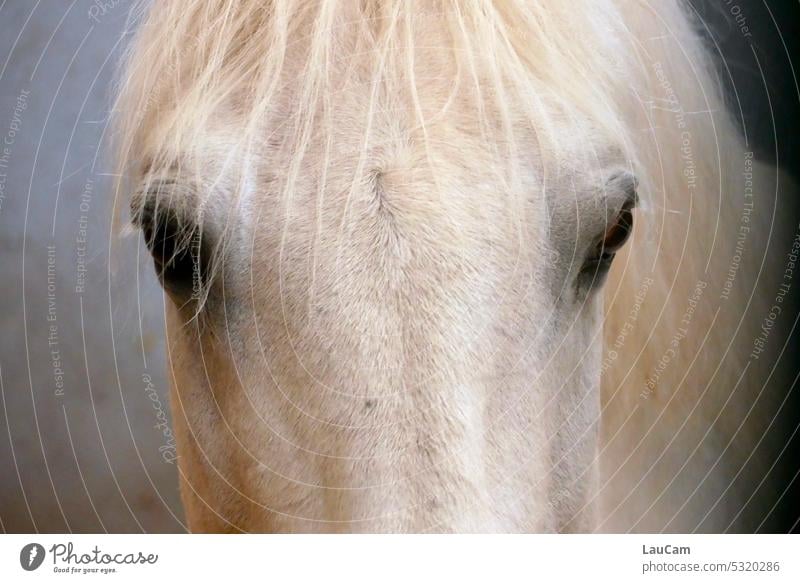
[(391, 333)]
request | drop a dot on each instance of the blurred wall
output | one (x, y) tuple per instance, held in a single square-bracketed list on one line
[(84, 443)]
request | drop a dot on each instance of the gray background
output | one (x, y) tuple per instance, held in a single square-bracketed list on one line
[(94, 458), (87, 460)]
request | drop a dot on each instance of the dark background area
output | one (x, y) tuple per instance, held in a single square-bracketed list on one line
[(759, 73), (760, 79)]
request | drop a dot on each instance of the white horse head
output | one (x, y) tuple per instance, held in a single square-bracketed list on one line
[(384, 228)]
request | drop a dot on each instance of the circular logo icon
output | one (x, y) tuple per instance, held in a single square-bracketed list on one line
[(31, 556)]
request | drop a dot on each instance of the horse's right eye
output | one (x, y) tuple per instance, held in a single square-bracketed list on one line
[(179, 256)]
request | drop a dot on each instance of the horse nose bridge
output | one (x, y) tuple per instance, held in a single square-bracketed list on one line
[(398, 334)]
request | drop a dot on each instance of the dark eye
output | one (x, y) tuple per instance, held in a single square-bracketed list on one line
[(180, 257), (596, 266), (618, 233)]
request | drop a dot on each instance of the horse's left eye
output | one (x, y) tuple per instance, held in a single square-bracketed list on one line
[(619, 231), (596, 266)]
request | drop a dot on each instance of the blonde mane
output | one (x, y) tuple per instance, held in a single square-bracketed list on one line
[(199, 60), (635, 71)]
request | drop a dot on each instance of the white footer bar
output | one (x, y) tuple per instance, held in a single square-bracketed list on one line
[(375, 558)]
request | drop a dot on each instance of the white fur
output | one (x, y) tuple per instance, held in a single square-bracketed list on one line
[(402, 194)]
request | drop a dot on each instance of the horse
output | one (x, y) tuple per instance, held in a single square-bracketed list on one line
[(405, 291)]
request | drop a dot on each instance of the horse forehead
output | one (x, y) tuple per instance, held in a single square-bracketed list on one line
[(395, 175), (440, 127)]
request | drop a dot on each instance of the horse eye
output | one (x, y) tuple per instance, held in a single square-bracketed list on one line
[(596, 266), (177, 250), (619, 232)]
